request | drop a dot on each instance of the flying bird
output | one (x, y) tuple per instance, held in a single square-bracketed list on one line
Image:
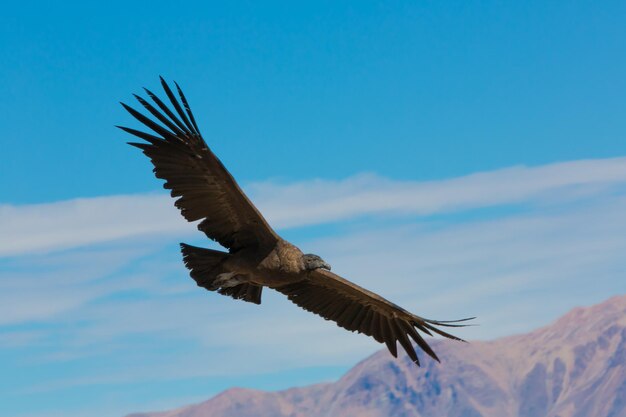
[(256, 256)]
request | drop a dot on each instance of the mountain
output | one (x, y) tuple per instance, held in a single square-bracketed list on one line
[(575, 367)]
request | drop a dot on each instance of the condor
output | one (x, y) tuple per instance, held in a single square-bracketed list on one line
[(257, 257)]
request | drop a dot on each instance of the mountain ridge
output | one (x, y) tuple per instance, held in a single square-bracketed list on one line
[(573, 367)]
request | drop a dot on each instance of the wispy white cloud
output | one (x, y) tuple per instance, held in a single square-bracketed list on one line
[(73, 223), (319, 201), (40, 287), (85, 221)]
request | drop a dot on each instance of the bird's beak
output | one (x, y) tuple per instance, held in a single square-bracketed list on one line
[(326, 266)]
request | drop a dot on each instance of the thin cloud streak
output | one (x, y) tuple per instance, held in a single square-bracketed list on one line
[(85, 221), (320, 201), (80, 222)]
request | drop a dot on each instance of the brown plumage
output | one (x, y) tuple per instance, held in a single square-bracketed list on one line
[(257, 257)]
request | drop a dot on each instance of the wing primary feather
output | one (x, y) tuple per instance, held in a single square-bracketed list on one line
[(167, 111), (176, 105), (443, 322), (160, 146), (172, 126), (449, 322), (406, 344), (418, 339), (151, 124), (421, 327), (187, 108), (142, 146), (143, 135), (442, 333)]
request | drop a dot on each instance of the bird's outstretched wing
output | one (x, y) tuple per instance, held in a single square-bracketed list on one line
[(357, 309), (205, 189)]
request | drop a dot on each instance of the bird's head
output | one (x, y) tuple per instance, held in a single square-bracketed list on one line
[(312, 262)]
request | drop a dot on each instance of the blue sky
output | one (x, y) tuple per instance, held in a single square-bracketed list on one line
[(461, 159)]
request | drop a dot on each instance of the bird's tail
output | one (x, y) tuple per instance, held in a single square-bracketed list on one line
[(206, 264)]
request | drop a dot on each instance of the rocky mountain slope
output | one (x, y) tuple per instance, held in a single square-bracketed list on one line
[(575, 367)]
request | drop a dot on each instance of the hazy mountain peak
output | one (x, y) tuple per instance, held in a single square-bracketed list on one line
[(574, 367)]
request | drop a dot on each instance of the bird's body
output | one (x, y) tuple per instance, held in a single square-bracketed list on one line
[(257, 257), (282, 265)]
